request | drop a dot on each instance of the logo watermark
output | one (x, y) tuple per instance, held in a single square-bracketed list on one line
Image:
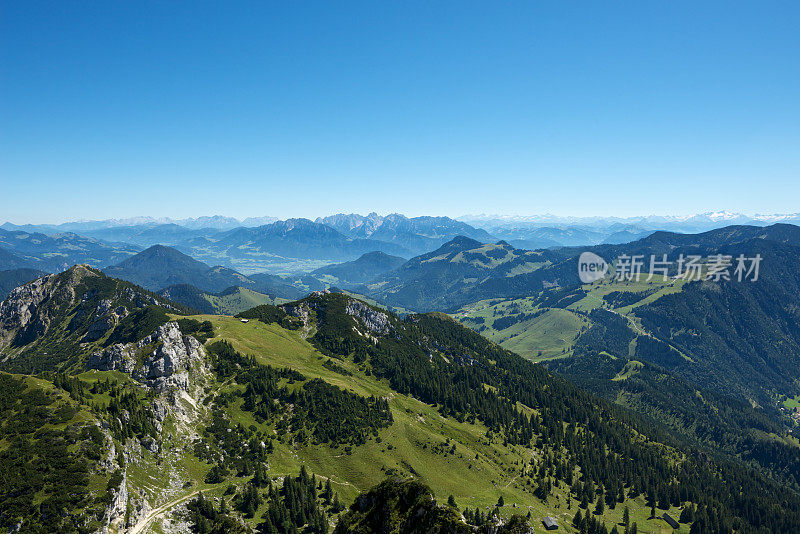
[(591, 267), (714, 267)]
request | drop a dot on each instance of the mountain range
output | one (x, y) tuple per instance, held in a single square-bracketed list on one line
[(320, 412), (266, 244), (687, 223), (416, 234)]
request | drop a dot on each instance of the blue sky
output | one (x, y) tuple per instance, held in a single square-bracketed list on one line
[(116, 109)]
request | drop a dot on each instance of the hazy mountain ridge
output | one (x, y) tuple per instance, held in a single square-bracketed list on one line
[(648, 221), (213, 221), (159, 267), (9, 261), (545, 231), (364, 269), (59, 251), (417, 234)]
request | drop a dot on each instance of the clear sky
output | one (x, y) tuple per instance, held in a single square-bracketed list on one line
[(116, 109)]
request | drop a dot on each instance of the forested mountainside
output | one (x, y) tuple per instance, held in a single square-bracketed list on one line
[(281, 421), (10, 261), (159, 267), (713, 361)]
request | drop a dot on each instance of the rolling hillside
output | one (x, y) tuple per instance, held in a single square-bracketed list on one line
[(711, 360)]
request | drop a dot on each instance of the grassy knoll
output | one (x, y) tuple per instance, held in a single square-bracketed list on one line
[(548, 333), (240, 300)]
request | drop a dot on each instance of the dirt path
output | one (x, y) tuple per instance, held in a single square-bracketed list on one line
[(143, 523)]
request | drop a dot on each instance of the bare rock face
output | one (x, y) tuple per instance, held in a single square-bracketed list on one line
[(114, 513), (117, 357), (162, 360), (106, 319), (302, 311), (20, 310), (375, 321), (171, 361)]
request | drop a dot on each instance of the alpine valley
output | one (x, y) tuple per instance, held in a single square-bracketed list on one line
[(359, 374)]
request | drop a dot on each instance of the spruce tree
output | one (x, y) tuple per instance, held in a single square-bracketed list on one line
[(599, 507), (451, 502)]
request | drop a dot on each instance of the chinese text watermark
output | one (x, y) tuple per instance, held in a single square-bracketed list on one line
[(714, 267)]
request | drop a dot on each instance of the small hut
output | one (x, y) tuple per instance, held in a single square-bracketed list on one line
[(550, 523), (668, 518)]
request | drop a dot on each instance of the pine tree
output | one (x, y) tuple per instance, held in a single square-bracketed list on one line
[(451, 502), (577, 521), (687, 515), (327, 494), (626, 517), (337, 506), (599, 507)]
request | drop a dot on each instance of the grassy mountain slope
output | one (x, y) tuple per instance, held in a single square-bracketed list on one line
[(525, 326), (711, 361), (455, 274)]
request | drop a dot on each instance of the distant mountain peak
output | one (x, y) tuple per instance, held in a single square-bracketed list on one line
[(461, 242), (163, 253)]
